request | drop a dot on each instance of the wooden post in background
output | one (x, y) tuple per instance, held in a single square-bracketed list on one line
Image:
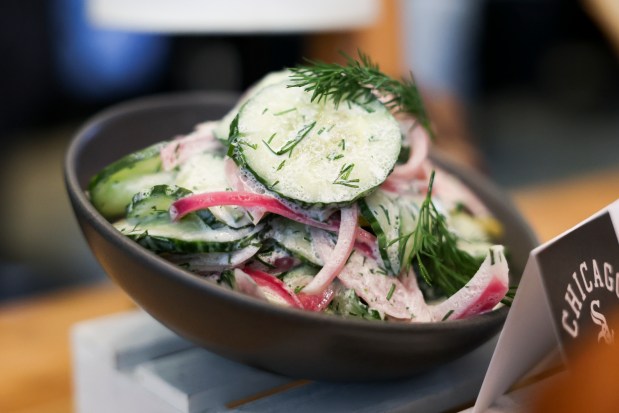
[(382, 41)]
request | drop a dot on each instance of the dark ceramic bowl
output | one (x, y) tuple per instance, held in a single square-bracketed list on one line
[(288, 341)]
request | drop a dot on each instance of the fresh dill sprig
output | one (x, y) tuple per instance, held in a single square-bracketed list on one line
[(343, 177), (283, 112), (447, 315), (227, 278), (359, 81), (290, 145), (334, 156), (435, 248), (390, 293)]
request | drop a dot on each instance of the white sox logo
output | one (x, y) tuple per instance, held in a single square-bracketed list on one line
[(592, 277), (598, 318)]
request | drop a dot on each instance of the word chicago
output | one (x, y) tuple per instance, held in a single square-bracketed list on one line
[(590, 276)]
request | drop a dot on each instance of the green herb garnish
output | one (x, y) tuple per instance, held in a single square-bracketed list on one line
[(290, 145), (435, 249), (334, 156), (283, 112), (346, 303), (227, 278), (250, 145), (343, 177), (447, 315), (358, 81), (390, 293), (386, 212)]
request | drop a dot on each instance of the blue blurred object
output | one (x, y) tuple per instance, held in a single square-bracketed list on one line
[(96, 64), (441, 39)]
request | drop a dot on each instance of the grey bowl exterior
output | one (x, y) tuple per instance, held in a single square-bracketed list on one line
[(288, 341)]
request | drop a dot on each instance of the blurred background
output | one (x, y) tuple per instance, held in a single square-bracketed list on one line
[(527, 91)]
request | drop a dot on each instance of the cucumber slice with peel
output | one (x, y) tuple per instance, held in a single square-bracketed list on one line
[(149, 224), (111, 189), (313, 152), (223, 128), (189, 235), (274, 256), (296, 238), (205, 172), (206, 263), (299, 277), (154, 203), (382, 212), (409, 214)]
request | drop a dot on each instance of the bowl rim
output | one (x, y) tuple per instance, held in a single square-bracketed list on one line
[(80, 200)]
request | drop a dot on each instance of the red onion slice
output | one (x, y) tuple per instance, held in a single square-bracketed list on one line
[(182, 148), (337, 259), (482, 293), (233, 176), (384, 293), (273, 287), (246, 285), (451, 191), (365, 241), (197, 202), (317, 302), (420, 147)]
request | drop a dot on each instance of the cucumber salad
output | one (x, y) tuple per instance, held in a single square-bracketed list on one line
[(315, 192)]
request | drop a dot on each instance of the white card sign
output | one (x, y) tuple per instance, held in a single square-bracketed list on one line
[(569, 288)]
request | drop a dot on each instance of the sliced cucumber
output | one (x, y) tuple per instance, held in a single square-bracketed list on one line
[(111, 189), (299, 277), (476, 249), (189, 235), (296, 238), (204, 263), (154, 203), (468, 227), (348, 304), (223, 128), (205, 172), (383, 214), (274, 255), (149, 224), (312, 152), (409, 213)]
